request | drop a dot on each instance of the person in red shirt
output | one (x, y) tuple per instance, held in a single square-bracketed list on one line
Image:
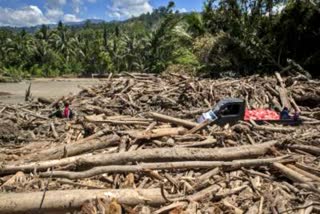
[(67, 112)]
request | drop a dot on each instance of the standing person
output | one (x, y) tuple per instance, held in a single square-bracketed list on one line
[(67, 112)]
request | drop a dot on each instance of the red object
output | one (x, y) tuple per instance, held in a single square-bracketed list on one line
[(66, 112), (261, 114)]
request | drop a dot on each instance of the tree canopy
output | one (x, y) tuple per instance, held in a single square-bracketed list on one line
[(238, 37)]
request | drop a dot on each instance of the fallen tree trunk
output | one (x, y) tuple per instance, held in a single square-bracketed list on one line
[(64, 201), (207, 142), (176, 121), (310, 149), (291, 174), (302, 172), (73, 149), (228, 165), (283, 94), (200, 126), (149, 155), (158, 133), (274, 129), (308, 169)]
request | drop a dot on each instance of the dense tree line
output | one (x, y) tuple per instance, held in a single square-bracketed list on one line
[(229, 37)]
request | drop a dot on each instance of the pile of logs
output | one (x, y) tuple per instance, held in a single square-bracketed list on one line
[(134, 147)]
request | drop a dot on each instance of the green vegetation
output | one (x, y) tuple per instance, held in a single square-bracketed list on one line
[(229, 37)]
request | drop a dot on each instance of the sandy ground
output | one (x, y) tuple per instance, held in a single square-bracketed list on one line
[(50, 88)]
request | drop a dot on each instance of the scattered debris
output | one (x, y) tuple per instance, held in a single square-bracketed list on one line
[(135, 147)]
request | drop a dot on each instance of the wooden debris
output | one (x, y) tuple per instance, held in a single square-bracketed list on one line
[(134, 147)]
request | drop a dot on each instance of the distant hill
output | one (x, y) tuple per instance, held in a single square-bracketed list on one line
[(82, 23), (33, 29), (148, 20)]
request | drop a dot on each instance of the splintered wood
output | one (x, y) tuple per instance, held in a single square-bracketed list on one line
[(134, 147)]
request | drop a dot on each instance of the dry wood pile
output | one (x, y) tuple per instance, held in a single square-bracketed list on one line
[(134, 147)]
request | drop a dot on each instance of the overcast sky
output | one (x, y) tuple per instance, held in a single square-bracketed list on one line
[(34, 12)]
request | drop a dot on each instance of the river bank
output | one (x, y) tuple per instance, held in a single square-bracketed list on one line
[(49, 88)]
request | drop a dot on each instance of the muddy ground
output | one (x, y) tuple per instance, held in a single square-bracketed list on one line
[(50, 88)]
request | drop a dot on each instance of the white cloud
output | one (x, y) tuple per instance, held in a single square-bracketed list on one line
[(26, 16), (33, 15), (54, 14), (128, 8), (182, 10), (71, 18)]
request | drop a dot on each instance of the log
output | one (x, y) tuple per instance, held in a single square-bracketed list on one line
[(208, 142), (200, 126), (274, 129), (2, 110), (34, 114), (45, 100), (283, 94), (176, 121), (291, 174), (280, 80), (119, 122), (53, 129), (204, 178), (149, 155), (308, 169), (206, 193), (70, 200), (74, 149), (156, 133), (310, 149), (171, 207), (302, 172), (94, 136), (228, 165)]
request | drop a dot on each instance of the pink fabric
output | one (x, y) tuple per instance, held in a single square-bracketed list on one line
[(261, 114)]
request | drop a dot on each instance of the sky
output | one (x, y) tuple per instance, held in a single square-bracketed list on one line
[(22, 13)]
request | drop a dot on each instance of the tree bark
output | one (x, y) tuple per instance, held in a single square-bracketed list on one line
[(149, 155), (68, 200), (310, 149), (156, 133), (274, 129), (207, 142), (283, 93), (229, 165), (176, 121), (200, 126), (291, 174), (302, 172), (73, 149)]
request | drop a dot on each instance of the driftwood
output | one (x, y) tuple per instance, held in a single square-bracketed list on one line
[(156, 133), (115, 144), (291, 174), (58, 201), (73, 149), (173, 154), (310, 149), (172, 120), (228, 165), (44, 100)]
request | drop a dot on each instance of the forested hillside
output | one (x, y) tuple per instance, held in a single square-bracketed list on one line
[(228, 37)]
